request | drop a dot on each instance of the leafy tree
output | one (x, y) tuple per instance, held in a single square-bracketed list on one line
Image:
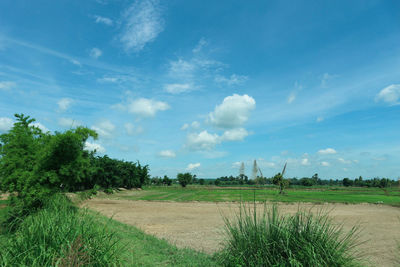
[(184, 178), (280, 181), (201, 181), (347, 182), (167, 181)]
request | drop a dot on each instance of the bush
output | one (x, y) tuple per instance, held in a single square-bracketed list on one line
[(62, 235), (302, 239)]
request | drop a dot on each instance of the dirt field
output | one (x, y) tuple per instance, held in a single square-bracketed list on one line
[(199, 225)]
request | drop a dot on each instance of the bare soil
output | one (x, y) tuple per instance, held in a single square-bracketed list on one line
[(200, 225)]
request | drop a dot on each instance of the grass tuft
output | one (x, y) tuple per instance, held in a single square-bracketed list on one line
[(302, 239)]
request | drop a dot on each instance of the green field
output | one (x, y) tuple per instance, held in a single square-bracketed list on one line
[(351, 195)]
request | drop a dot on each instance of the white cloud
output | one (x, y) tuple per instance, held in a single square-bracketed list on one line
[(167, 154), (75, 62), (5, 124), (342, 160), (233, 112), (104, 129), (142, 22), (40, 126), (132, 130), (64, 104), (181, 69), (193, 166), (325, 78), (7, 85), (193, 125), (327, 151), (94, 147), (291, 97), (200, 45), (237, 134), (325, 164), (305, 162), (390, 94), (177, 88), (68, 122), (202, 141), (95, 53), (319, 119), (144, 107), (232, 80), (104, 20)]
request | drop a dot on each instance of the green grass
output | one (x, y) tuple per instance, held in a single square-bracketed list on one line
[(303, 239), (61, 234), (351, 195)]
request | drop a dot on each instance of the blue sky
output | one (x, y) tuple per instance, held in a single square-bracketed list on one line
[(201, 86)]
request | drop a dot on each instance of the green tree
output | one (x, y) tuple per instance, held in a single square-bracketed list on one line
[(184, 178), (280, 181)]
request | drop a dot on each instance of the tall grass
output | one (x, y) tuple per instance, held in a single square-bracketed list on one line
[(270, 239), (60, 235)]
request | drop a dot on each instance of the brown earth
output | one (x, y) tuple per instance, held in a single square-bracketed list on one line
[(199, 225)]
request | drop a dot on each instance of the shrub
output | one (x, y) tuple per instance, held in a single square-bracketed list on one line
[(302, 239), (58, 235)]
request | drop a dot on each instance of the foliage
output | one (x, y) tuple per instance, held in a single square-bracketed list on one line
[(303, 239), (58, 235), (184, 178), (35, 165), (113, 173), (281, 182)]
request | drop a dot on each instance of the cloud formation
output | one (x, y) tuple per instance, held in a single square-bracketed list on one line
[(233, 112), (132, 129), (167, 154), (5, 124), (103, 20), (327, 151), (178, 88), (7, 85), (68, 122), (389, 94), (95, 53), (193, 166), (142, 23), (232, 80), (202, 141), (64, 104), (94, 147), (237, 134), (104, 129), (144, 107)]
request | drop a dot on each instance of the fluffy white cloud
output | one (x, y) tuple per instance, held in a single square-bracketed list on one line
[(185, 126), (237, 134), (202, 141), (95, 52), (5, 124), (40, 126), (232, 80), (94, 147), (233, 112), (181, 69), (167, 154), (68, 122), (144, 107), (104, 20), (327, 151), (132, 129), (7, 85), (305, 162), (325, 164), (177, 88), (390, 94), (104, 129), (64, 104), (142, 22), (193, 166)]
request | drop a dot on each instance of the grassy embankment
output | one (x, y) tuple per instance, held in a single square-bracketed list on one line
[(351, 195), (42, 241)]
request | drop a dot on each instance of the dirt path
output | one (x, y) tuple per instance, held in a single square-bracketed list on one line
[(199, 225)]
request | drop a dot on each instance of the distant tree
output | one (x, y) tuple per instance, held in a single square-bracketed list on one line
[(184, 178), (201, 181), (280, 181), (167, 181), (347, 182)]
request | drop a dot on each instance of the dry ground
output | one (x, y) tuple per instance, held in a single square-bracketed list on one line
[(199, 225)]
